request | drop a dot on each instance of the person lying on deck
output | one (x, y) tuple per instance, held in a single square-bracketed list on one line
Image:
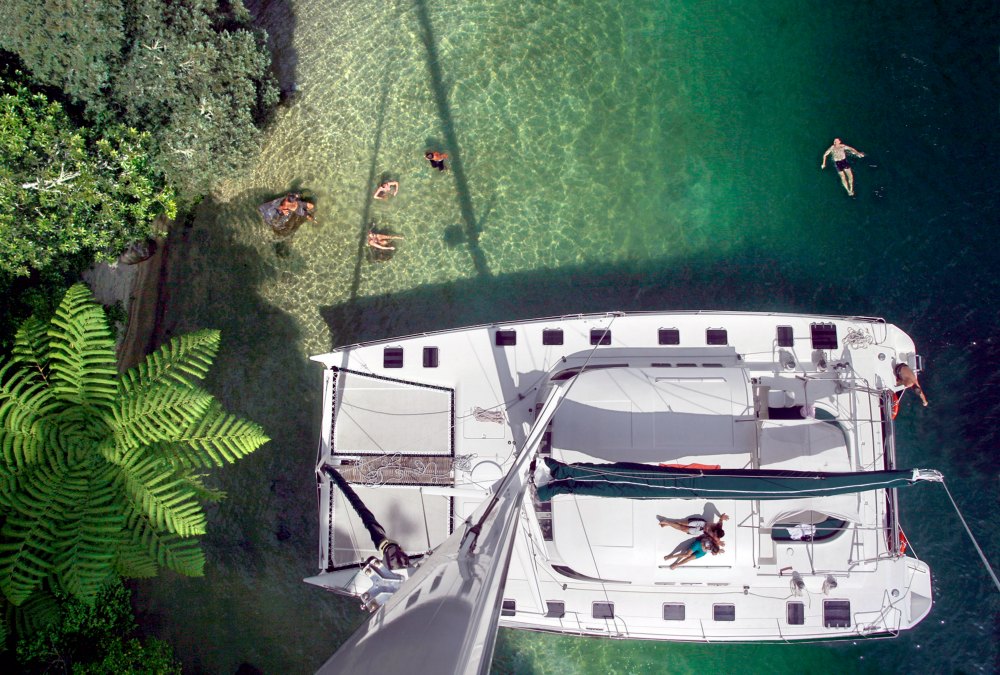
[(698, 527), (699, 547)]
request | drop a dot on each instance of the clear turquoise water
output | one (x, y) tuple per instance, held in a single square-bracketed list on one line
[(629, 155)]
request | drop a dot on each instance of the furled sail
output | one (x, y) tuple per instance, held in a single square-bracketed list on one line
[(644, 481), (444, 619)]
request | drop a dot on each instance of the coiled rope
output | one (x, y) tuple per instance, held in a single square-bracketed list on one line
[(986, 563)]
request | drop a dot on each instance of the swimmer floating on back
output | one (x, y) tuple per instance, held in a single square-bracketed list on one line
[(839, 151), (382, 241)]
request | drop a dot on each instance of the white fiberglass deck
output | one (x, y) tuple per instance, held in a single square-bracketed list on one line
[(377, 415)]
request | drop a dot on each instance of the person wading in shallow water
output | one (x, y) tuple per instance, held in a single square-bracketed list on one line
[(839, 151)]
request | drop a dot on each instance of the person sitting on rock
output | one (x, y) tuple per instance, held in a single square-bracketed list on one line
[(293, 203)]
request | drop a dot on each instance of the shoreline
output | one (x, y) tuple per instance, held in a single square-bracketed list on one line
[(138, 288)]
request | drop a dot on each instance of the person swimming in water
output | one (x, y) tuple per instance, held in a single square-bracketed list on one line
[(390, 188), (436, 159), (382, 242), (839, 152)]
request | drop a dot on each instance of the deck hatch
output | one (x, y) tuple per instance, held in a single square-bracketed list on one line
[(795, 613), (392, 357), (509, 608), (837, 613), (555, 609), (824, 335), (669, 336), (603, 610), (716, 336), (430, 357), (786, 336), (724, 612), (673, 611), (600, 336), (552, 336), (505, 338)]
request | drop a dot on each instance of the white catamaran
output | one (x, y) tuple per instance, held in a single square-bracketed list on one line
[(528, 474)]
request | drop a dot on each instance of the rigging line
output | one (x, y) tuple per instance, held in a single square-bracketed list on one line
[(522, 456), (986, 563)]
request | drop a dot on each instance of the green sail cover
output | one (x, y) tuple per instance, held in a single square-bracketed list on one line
[(644, 481)]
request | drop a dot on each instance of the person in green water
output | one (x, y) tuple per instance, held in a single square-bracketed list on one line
[(839, 151)]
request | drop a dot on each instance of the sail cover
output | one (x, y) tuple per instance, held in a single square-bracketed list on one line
[(643, 481)]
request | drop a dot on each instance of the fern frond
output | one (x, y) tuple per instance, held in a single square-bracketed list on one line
[(204, 493), (82, 351), (27, 540), (25, 406), (153, 415), (83, 560), (42, 609), (182, 555), (167, 500), (31, 345), (182, 361), (220, 437)]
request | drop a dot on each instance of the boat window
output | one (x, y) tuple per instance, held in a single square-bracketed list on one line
[(673, 611), (392, 357), (552, 336), (604, 610), (716, 336), (555, 609), (786, 337), (724, 612), (600, 336), (430, 357), (796, 613), (505, 338), (509, 608), (824, 335), (837, 613), (573, 574), (670, 336)]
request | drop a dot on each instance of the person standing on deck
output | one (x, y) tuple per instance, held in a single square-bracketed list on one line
[(839, 151)]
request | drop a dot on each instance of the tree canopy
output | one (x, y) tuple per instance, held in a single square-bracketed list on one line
[(193, 73), (100, 473), (66, 189)]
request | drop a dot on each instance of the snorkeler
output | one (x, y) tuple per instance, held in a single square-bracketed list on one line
[(436, 159), (839, 151)]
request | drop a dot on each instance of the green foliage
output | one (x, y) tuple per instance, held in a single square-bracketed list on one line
[(193, 73), (94, 638), (96, 469), (66, 189)]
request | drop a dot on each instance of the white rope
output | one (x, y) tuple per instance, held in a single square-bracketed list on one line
[(986, 563)]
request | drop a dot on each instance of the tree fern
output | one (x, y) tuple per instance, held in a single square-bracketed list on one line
[(96, 469), (81, 350)]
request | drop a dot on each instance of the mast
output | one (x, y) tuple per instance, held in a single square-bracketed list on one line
[(445, 618)]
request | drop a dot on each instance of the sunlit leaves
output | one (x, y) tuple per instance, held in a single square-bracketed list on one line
[(96, 471)]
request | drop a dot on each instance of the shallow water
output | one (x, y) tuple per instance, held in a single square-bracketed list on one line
[(629, 155)]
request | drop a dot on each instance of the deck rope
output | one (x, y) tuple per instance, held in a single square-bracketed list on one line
[(986, 563)]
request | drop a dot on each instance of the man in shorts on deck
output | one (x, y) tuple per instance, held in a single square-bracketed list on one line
[(697, 527), (839, 151)]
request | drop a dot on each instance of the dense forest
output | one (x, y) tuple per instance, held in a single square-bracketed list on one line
[(116, 117)]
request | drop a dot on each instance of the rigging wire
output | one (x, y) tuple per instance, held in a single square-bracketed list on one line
[(986, 563)]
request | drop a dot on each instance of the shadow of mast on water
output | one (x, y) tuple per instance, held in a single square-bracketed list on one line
[(451, 139)]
